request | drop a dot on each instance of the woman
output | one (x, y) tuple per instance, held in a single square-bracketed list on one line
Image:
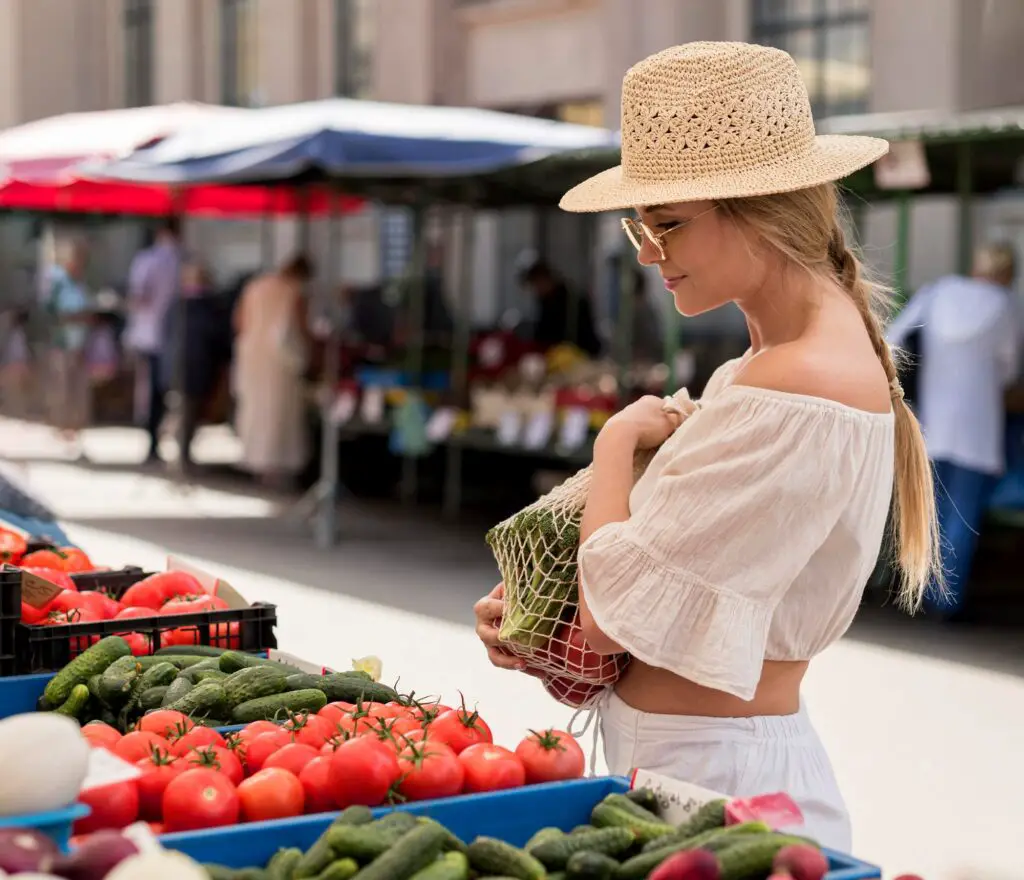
[(744, 549), (270, 360)]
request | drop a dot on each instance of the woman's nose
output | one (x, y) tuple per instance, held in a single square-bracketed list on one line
[(649, 253)]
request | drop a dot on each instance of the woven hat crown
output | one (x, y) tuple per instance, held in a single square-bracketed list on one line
[(705, 109)]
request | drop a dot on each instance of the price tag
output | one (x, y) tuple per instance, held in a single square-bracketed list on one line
[(105, 768), (575, 427), (678, 800), (36, 591)]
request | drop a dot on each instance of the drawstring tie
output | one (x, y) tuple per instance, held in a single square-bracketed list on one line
[(591, 715)]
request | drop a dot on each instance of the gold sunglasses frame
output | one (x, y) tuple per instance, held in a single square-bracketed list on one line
[(636, 231)]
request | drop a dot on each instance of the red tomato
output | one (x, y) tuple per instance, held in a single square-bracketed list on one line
[(75, 560), (197, 737), (100, 734), (430, 770), (550, 755), (272, 793), (112, 806), (292, 757), (216, 758), (226, 635), (134, 746), (261, 747), (491, 768), (153, 591), (427, 712), (100, 603), (460, 729), (168, 723), (362, 772), (73, 615), (570, 651), (387, 710), (66, 600), (254, 729), (316, 783), (332, 712), (199, 798), (356, 724), (157, 772), (310, 730), (193, 604), (12, 547), (56, 576), (32, 615), (130, 612), (44, 559)]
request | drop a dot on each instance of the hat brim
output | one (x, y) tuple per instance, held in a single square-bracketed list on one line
[(831, 158)]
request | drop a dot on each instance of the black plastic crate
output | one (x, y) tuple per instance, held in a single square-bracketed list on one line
[(48, 648)]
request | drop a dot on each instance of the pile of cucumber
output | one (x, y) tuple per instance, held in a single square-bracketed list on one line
[(626, 840), (213, 686)]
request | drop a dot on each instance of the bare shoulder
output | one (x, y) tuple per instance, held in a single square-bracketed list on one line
[(811, 368)]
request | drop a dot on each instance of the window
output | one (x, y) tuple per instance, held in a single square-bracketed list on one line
[(830, 40), (353, 48), (138, 53), (238, 52)]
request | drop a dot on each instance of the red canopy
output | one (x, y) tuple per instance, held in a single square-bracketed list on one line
[(39, 162)]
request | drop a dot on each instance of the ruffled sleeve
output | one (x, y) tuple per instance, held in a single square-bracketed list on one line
[(752, 486)]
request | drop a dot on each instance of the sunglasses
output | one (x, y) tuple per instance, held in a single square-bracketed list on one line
[(638, 232)]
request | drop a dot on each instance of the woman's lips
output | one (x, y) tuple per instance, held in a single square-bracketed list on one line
[(672, 281)]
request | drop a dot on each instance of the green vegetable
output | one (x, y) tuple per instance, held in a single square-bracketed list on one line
[(646, 799), (342, 869), (606, 815), (320, 854), (276, 706), (94, 686), (640, 866), (194, 650), (152, 698), (176, 690), (75, 704), (413, 852), (219, 872), (206, 698), (612, 841), (348, 688), (299, 681), (232, 661), (590, 866), (157, 675), (252, 683), (630, 806), (92, 661), (545, 834), (117, 680), (364, 843), (708, 816), (685, 833), (283, 863), (751, 859), (451, 866), (490, 856), (452, 843)]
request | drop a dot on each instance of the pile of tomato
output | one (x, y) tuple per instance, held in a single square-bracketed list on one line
[(194, 777), (164, 594)]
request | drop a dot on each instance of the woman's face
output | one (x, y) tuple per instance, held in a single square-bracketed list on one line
[(708, 260)]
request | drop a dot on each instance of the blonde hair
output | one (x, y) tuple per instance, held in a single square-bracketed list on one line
[(806, 227)]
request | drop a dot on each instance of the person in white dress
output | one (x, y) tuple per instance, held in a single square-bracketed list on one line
[(270, 359), (743, 551)]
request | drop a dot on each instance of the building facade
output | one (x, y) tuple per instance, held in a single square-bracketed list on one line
[(561, 59)]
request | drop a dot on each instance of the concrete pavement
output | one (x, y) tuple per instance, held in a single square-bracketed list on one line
[(923, 723)]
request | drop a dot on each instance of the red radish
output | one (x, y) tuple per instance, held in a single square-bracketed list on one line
[(24, 849), (98, 855), (801, 861), (694, 864)]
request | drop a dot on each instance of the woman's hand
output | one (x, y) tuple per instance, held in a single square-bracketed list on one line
[(647, 423), (488, 619)]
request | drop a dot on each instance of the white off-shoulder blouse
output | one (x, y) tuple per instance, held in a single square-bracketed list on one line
[(751, 536)]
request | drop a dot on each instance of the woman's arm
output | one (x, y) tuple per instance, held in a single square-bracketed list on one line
[(607, 502)]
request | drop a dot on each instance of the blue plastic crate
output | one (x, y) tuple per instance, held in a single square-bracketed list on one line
[(55, 824), (509, 815)]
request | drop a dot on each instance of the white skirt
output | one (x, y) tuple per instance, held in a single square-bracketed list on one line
[(739, 757)]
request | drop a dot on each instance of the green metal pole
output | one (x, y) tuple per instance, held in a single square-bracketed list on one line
[(901, 255), (965, 193)]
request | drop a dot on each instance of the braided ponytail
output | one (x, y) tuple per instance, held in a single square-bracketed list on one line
[(805, 226)]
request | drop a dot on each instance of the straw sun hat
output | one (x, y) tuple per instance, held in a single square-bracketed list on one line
[(709, 121)]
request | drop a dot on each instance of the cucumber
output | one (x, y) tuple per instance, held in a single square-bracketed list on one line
[(92, 661), (451, 866), (342, 869), (490, 856), (630, 806), (646, 799), (278, 705), (751, 859), (341, 686), (176, 690), (612, 841), (232, 661), (193, 650), (641, 865), (300, 681), (75, 704), (320, 854), (708, 816), (209, 675), (117, 680), (252, 683), (218, 872), (159, 674), (693, 840), (282, 865), (545, 834), (152, 698), (205, 664), (364, 843), (206, 698), (606, 815), (413, 852), (590, 866), (94, 686), (397, 822), (452, 842)]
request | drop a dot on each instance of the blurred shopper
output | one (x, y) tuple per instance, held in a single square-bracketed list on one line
[(271, 354), (554, 317), (153, 287), (68, 308), (968, 350)]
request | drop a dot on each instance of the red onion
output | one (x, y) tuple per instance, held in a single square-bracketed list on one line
[(96, 857), (25, 849)]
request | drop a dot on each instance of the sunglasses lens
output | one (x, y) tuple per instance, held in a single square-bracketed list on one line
[(634, 234)]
